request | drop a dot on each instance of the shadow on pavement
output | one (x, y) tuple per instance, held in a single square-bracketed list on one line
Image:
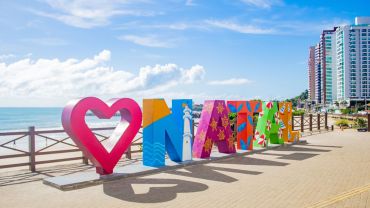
[(162, 190), (123, 189), (252, 161), (272, 154), (210, 173), (329, 146), (298, 156), (300, 148)]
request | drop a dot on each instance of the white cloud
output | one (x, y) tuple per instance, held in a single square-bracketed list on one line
[(265, 4), (88, 77), (149, 41), (195, 73), (91, 13), (232, 81), (236, 27)]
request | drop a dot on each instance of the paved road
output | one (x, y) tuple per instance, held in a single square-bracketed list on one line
[(332, 170)]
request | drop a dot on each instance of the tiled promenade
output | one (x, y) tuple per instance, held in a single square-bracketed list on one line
[(332, 170)]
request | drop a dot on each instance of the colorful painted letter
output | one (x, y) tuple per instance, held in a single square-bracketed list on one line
[(214, 126), (286, 115), (104, 159), (161, 132), (267, 126), (245, 124)]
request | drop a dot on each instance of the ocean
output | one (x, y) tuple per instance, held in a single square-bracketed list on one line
[(19, 119), (14, 119)]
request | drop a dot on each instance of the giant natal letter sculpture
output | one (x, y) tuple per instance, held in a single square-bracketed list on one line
[(267, 126), (104, 159), (161, 132), (214, 126), (286, 116), (172, 132), (244, 124)]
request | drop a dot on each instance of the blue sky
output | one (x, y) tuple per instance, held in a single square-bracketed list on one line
[(55, 50)]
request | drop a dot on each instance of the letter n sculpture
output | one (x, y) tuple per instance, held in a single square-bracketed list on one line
[(161, 132)]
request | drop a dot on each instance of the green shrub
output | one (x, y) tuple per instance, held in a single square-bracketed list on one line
[(347, 111), (232, 119), (255, 118), (298, 112), (232, 116), (360, 122), (342, 122)]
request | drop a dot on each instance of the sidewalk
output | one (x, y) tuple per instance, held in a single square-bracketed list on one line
[(333, 170)]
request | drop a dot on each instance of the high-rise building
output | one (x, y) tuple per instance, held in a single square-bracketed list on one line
[(342, 63), (328, 66), (311, 74), (318, 76), (353, 47)]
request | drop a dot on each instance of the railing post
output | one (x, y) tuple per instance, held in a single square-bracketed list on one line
[(310, 123), (292, 122), (84, 159), (128, 153), (302, 123), (332, 127), (31, 148), (318, 121), (368, 122), (326, 121)]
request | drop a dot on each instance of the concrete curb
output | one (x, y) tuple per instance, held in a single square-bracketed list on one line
[(87, 179)]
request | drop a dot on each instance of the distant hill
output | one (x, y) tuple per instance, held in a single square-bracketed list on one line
[(301, 97)]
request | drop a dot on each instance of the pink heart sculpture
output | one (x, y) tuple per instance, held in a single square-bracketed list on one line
[(73, 121)]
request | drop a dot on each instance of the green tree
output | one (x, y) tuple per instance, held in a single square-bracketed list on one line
[(303, 96)]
